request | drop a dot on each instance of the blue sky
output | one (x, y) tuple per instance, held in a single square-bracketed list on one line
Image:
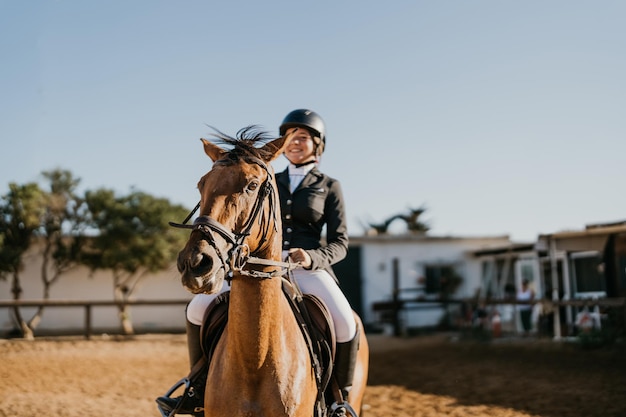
[(500, 117)]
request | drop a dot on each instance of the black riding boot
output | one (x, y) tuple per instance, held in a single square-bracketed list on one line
[(345, 363), (192, 401)]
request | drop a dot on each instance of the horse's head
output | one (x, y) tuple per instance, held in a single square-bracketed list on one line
[(237, 210)]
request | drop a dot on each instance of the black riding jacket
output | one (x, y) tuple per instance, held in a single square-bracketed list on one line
[(317, 201)]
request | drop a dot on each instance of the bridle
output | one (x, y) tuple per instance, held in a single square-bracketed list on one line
[(239, 255)]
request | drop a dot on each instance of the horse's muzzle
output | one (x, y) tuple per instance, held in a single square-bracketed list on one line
[(201, 269)]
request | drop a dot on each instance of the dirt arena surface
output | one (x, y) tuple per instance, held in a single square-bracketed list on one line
[(419, 376)]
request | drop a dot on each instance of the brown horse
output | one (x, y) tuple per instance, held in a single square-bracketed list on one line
[(261, 365)]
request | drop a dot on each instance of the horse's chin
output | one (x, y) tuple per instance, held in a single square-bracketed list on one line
[(207, 284)]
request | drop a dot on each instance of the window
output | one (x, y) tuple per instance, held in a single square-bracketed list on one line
[(586, 273), (442, 279)]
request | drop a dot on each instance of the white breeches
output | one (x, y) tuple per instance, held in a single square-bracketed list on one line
[(319, 283)]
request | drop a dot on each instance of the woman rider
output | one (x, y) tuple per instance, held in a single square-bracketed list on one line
[(309, 201)]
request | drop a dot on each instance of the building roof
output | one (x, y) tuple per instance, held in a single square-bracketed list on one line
[(592, 238), (506, 249), (420, 237), (590, 230)]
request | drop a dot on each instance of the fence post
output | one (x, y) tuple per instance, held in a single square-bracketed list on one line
[(87, 321), (396, 297)]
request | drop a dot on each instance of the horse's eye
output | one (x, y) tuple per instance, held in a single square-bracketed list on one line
[(253, 185)]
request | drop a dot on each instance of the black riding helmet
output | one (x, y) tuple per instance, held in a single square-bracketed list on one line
[(309, 120)]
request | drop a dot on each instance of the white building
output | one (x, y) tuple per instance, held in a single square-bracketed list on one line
[(415, 264)]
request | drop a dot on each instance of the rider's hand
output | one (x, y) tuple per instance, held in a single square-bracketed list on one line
[(300, 256)]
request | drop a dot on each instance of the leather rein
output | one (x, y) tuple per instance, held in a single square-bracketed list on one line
[(239, 254)]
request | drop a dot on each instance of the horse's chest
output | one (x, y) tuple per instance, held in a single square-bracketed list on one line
[(267, 391)]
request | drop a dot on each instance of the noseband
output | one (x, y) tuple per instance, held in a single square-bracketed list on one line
[(239, 253)]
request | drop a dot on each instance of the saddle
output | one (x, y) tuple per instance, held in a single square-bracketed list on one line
[(314, 321)]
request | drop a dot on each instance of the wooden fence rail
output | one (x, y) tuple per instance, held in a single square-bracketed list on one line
[(392, 308), (88, 305), (408, 303)]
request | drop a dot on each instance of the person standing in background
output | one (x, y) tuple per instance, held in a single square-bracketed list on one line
[(526, 294)]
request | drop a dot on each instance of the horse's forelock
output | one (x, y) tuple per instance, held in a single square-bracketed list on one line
[(248, 141)]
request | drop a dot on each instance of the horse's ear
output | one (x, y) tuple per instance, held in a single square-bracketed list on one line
[(276, 147), (212, 150)]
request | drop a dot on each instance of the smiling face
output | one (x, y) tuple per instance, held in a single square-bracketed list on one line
[(301, 149)]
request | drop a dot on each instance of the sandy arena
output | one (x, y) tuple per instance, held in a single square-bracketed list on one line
[(420, 376)]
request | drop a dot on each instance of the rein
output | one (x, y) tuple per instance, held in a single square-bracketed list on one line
[(239, 254)]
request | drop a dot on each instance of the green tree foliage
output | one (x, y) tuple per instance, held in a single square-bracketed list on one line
[(20, 214), (128, 235), (132, 238)]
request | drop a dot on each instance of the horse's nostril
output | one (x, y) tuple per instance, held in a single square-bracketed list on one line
[(206, 262), (196, 261), (199, 263)]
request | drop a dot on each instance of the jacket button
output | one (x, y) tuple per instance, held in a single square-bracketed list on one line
[(286, 243), (288, 216), (289, 202), (289, 230)]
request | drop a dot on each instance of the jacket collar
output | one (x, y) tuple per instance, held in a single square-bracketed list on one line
[(311, 178)]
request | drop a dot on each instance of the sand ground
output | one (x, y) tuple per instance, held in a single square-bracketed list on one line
[(418, 376)]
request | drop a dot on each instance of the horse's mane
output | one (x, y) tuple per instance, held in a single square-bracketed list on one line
[(246, 142)]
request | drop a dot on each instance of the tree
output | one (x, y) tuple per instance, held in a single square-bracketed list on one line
[(132, 239), (62, 230), (128, 235), (21, 210), (53, 218)]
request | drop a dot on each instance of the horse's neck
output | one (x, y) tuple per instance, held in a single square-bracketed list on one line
[(257, 310), (255, 316)]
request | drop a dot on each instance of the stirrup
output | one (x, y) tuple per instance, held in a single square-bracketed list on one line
[(339, 410), (187, 393)]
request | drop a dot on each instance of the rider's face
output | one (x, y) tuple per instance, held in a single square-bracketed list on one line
[(301, 148)]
